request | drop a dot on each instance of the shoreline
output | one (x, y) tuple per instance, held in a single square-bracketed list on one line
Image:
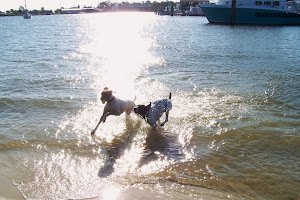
[(8, 190), (129, 193)]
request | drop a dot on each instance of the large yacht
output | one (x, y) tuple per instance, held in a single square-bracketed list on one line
[(272, 12)]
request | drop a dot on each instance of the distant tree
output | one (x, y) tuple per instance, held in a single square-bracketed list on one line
[(15, 12), (164, 4), (156, 5), (124, 3), (12, 12), (35, 12), (161, 5), (58, 11), (104, 5)]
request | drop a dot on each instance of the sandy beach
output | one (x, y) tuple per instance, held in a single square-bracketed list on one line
[(8, 190), (142, 194)]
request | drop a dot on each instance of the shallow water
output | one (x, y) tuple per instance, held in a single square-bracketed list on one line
[(233, 131)]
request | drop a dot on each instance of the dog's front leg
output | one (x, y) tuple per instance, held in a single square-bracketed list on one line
[(167, 118), (102, 119)]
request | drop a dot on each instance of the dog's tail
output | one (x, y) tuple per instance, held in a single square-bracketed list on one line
[(170, 95)]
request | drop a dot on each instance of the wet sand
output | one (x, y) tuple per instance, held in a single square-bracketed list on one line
[(8, 190), (145, 194)]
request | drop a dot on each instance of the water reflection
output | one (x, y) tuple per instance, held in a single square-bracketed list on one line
[(115, 149), (159, 145), (140, 149)]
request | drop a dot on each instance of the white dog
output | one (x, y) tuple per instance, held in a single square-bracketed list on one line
[(114, 106), (153, 113)]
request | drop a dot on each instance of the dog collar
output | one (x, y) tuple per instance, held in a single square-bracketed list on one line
[(108, 101), (146, 117)]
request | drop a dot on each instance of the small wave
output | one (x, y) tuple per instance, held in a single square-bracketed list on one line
[(291, 107), (46, 103), (4, 102)]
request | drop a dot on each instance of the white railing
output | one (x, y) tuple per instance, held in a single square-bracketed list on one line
[(295, 5), (291, 5), (238, 3)]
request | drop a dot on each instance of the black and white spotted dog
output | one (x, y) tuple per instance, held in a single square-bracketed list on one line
[(153, 111)]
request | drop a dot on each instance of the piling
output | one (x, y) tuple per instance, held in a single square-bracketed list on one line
[(232, 16), (172, 10)]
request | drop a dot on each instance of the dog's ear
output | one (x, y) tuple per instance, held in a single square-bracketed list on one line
[(149, 106)]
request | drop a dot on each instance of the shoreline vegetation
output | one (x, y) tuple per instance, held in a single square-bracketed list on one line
[(106, 6)]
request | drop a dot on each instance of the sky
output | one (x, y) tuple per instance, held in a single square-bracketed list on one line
[(49, 4)]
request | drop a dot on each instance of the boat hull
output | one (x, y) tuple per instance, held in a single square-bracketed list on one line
[(165, 12), (27, 16), (222, 14)]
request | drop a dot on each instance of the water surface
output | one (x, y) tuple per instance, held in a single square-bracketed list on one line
[(233, 131)]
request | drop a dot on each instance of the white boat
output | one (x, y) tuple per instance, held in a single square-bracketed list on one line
[(170, 10), (272, 12), (195, 11), (163, 12), (26, 14)]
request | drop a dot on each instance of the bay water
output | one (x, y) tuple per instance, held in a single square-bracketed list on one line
[(233, 131)]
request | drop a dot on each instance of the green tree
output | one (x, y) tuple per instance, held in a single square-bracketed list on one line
[(104, 5), (57, 11)]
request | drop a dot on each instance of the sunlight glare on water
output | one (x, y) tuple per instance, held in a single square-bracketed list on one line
[(117, 42), (119, 51)]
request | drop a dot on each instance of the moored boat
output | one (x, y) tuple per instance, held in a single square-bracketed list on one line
[(195, 11), (26, 14), (170, 10), (269, 12)]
